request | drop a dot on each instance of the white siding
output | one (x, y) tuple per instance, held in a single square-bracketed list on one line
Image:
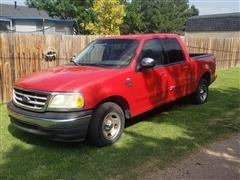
[(29, 26), (49, 28), (226, 34), (25, 26)]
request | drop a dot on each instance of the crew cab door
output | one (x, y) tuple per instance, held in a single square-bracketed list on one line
[(151, 85), (177, 67)]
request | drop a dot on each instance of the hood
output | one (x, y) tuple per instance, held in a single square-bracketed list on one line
[(64, 78)]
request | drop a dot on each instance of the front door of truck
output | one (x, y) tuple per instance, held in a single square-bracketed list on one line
[(151, 85)]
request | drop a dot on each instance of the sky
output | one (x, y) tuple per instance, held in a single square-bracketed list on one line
[(216, 6), (204, 6)]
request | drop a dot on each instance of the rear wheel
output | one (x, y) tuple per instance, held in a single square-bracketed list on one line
[(201, 95), (106, 125)]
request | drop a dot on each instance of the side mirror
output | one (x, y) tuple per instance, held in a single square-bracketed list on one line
[(147, 63)]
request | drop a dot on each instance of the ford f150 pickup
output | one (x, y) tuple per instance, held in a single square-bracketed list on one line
[(111, 80)]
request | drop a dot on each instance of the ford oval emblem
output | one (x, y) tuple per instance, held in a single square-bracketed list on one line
[(26, 99)]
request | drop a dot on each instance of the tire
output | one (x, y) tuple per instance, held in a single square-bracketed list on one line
[(201, 95), (107, 124)]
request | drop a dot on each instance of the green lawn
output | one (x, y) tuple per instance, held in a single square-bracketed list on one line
[(155, 139)]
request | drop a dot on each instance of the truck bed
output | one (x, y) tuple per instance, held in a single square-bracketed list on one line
[(199, 56)]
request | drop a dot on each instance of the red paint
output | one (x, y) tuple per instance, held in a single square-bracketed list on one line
[(143, 90)]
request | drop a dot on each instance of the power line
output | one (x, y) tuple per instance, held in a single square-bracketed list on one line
[(218, 50)]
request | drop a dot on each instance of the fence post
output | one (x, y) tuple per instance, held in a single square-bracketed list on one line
[(11, 56)]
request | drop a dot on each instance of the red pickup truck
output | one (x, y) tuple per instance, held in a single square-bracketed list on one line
[(111, 80)]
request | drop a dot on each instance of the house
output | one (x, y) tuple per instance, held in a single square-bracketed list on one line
[(218, 25), (22, 19)]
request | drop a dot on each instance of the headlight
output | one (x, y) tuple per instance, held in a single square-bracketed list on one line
[(66, 101)]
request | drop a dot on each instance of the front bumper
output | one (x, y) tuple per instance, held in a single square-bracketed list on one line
[(62, 126)]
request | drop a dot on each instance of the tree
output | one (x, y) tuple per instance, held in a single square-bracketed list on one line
[(193, 11), (150, 16), (133, 19), (66, 9), (108, 16)]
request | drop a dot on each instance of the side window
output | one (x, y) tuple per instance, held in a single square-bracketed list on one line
[(153, 49), (173, 50)]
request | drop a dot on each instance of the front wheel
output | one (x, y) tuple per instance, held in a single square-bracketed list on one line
[(201, 95), (106, 125)]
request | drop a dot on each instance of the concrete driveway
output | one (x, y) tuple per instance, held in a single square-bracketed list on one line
[(220, 160)]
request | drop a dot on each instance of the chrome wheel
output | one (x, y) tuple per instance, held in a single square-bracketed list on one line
[(203, 90), (111, 125)]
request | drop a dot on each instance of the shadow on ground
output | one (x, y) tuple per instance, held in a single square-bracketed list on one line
[(153, 139)]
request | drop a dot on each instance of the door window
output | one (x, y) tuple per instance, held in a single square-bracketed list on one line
[(153, 49), (173, 50)]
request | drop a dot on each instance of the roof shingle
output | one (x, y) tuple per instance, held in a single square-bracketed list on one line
[(21, 11), (217, 22)]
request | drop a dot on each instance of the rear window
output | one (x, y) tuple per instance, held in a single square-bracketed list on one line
[(173, 50)]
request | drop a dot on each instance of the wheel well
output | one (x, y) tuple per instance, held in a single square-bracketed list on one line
[(206, 76), (122, 102)]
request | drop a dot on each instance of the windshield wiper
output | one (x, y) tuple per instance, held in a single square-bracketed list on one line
[(92, 64), (74, 62)]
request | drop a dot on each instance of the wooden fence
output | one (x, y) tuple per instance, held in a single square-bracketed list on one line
[(226, 50), (22, 54)]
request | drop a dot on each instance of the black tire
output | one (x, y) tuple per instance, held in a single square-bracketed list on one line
[(201, 95), (100, 126)]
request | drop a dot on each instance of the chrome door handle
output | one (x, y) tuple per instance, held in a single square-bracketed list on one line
[(172, 88)]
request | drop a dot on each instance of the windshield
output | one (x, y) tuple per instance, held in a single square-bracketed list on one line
[(108, 52)]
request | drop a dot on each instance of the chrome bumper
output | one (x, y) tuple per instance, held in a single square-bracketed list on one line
[(47, 123), (50, 123)]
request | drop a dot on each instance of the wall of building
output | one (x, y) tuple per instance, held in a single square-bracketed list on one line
[(49, 28), (230, 34), (25, 26), (36, 27), (61, 28)]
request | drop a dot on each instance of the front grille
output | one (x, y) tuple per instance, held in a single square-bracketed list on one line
[(30, 99)]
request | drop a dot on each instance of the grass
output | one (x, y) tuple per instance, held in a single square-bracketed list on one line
[(153, 140)]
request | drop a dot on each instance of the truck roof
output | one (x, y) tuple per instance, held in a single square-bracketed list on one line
[(140, 36)]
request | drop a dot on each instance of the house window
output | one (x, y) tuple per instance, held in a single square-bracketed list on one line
[(4, 25)]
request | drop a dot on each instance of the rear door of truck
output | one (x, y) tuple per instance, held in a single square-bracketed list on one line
[(177, 67)]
